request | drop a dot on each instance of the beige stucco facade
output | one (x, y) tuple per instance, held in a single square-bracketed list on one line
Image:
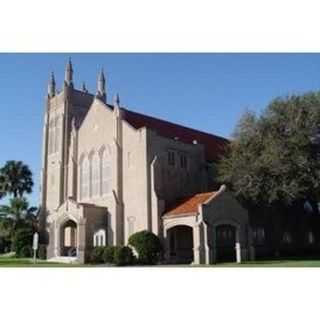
[(104, 178)]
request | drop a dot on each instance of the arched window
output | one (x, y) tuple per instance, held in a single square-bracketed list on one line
[(95, 175), (51, 132), (99, 238), (106, 176), (310, 237), (57, 126), (287, 237), (84, 178)]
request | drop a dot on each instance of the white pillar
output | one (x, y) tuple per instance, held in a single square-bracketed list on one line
[(238, 246), (166, 245), (196, 244)]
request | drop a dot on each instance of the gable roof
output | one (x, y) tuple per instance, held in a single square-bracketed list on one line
[(189, 205), (214, 145)]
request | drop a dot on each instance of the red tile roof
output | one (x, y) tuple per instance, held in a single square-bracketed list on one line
[(189, 206), (214, 145)]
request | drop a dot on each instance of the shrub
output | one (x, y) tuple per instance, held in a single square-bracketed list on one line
[(123, 256), (22, 242), (108, 254), (147, 245), (25, 252), (97, 254), (42, 252)]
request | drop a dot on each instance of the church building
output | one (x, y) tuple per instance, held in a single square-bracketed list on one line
[(108, 172)]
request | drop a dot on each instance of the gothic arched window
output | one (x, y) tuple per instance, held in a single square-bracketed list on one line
[(106, 176), (57, 127), (95, 175), (84, 178), (99, 238), (51, 138)]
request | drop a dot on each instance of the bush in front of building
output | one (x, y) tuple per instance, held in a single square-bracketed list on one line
[(123, 256), (42, 252), (108, 254), (21, 239), (97, 255), (147, 245)]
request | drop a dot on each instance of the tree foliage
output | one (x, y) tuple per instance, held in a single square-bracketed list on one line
[(274, 158), (18, 222), (147, 245), (15, 179)]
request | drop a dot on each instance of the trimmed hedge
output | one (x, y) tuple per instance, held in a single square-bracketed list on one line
[(147, 245), (108, 254), (123, 256), (42, 252), (97, 255)]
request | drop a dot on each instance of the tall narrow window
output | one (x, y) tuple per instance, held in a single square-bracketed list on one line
[(50, 142), (106, 173), (95, 172), (171, 158), (84, 178), (183, 161), (99, 238), (57, 134)]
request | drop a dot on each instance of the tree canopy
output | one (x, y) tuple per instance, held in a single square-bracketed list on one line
[(15, 179), (274, 157)]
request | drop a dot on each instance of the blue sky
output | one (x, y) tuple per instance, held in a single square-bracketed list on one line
[(204, 91)]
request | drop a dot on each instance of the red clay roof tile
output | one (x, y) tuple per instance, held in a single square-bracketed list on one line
[(214, 145), (189, 205)]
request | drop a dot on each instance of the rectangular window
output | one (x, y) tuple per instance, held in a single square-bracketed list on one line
[(183, 161), (171, 158)]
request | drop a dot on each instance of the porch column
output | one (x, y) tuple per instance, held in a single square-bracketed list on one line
[(166, 245), (238, 245), (198, 245), (56, 239)]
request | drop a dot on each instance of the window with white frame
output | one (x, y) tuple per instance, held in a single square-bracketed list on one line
[(99, 238), (106, 173), (95, 175), (84, 178)]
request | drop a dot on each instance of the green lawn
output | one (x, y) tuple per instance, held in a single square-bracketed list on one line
[(288, 263), (294, 263), (25, 262)]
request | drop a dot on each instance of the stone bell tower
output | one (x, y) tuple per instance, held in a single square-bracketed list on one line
[(64, 113)]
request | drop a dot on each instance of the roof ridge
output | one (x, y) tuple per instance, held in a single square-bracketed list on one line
[(173, 123)]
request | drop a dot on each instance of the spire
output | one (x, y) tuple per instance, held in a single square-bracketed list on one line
[(52, 86), (101, 86), (69, 73), (117, 100)]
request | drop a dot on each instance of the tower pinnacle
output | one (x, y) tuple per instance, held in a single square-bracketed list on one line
[(52, 86), (69, 73), (101, 87)]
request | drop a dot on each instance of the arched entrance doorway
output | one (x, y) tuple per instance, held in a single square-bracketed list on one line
[(180, 244), (225, 243), (68, 238)]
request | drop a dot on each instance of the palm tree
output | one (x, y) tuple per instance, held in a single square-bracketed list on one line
[(18, 214), (15, 179)]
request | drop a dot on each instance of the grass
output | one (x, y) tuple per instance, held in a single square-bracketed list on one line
[(289, 263), (285, 263), (26, 262)]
